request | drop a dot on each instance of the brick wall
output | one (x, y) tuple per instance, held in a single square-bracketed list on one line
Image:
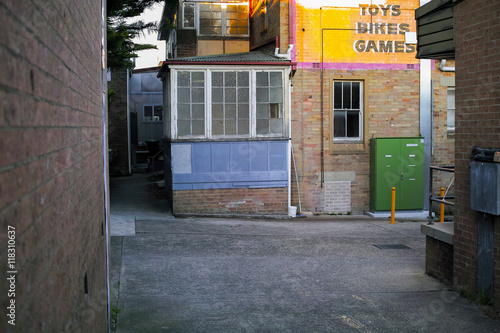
[(186, 43), (391, 109), (439, 259), (277, 25), (51, 169), (477, 49), (259, 202), (117, 124)]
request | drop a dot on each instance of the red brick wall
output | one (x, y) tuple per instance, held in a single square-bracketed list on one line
[(51, 165), (391, 109), (477, 49), (261, 202)]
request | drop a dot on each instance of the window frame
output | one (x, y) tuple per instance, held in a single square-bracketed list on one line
[(208, 103), (153, 105), (224, 25), (194, 15), (361, 136)]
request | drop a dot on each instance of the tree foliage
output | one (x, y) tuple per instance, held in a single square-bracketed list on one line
[(121, 31)]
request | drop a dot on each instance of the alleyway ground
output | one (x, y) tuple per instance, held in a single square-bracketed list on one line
[(315, 274)]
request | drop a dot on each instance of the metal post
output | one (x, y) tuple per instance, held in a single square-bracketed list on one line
[(441, 216), (393, 205)]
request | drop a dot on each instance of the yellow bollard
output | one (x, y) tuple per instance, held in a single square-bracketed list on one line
[(393, 205), (441, 216)]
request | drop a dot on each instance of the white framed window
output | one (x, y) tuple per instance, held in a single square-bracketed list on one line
[(347, 110), (269, 102), (191, 103), (188, 15), (152, 113), (230, 103), (216, 19), (220, 103), (450, 114)]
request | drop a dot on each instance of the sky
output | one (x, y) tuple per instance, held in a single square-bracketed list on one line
[(151, 58)]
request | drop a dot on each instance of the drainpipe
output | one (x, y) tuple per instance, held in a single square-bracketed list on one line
[(289, 107), (105, 151), (445, 69), (426, 118), (288, 55)]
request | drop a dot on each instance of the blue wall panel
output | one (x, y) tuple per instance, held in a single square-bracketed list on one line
[(257, 164)]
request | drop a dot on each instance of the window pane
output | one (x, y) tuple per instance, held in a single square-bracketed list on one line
[(183, 111), (184, 127), (262, 111), (355, 95), (217, 127), (243, 111), (198, 95), (148, 111), (276, 79), (243, 30), (230, 95), (198, 127), (183, 79), (230, 79), (339, 120), (276, 126), (346, 95), (217, 79), (198, 111), (243, 95), (276, 95), (353, 124), (230, 111), (243, 79), (243, 126), (230, 127), (183, 95), (217, 95), (198, 79), (274, 110), (337, 95), (218, 111), (262, 79), (262, 126), (262, 95)]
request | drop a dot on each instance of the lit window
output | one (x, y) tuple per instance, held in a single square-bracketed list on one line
[(237, 20), (347, 110), (210, 19)]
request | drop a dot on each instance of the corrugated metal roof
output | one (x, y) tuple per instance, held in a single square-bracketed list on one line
[(253, 56)]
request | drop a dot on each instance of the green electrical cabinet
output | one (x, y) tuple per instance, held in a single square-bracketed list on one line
[(397, 162)]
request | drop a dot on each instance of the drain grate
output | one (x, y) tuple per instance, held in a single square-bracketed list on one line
[(392, 246)]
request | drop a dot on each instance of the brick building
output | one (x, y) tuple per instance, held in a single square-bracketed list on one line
[(354, 77), (52, 169), (473, 41)]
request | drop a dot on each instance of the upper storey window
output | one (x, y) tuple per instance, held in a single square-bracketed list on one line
[(216, 19)]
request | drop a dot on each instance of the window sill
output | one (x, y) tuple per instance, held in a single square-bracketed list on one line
[(152, 122), (348, 148)]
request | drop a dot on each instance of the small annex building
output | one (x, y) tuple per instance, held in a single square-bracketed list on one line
[(227, 134)]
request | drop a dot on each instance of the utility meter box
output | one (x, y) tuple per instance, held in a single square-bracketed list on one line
[(485, 187), (397, 162)]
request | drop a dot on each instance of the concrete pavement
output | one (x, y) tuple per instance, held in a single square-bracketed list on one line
[(315, 274)]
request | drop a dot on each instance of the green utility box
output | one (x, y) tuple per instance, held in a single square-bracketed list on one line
[(397, 162)]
